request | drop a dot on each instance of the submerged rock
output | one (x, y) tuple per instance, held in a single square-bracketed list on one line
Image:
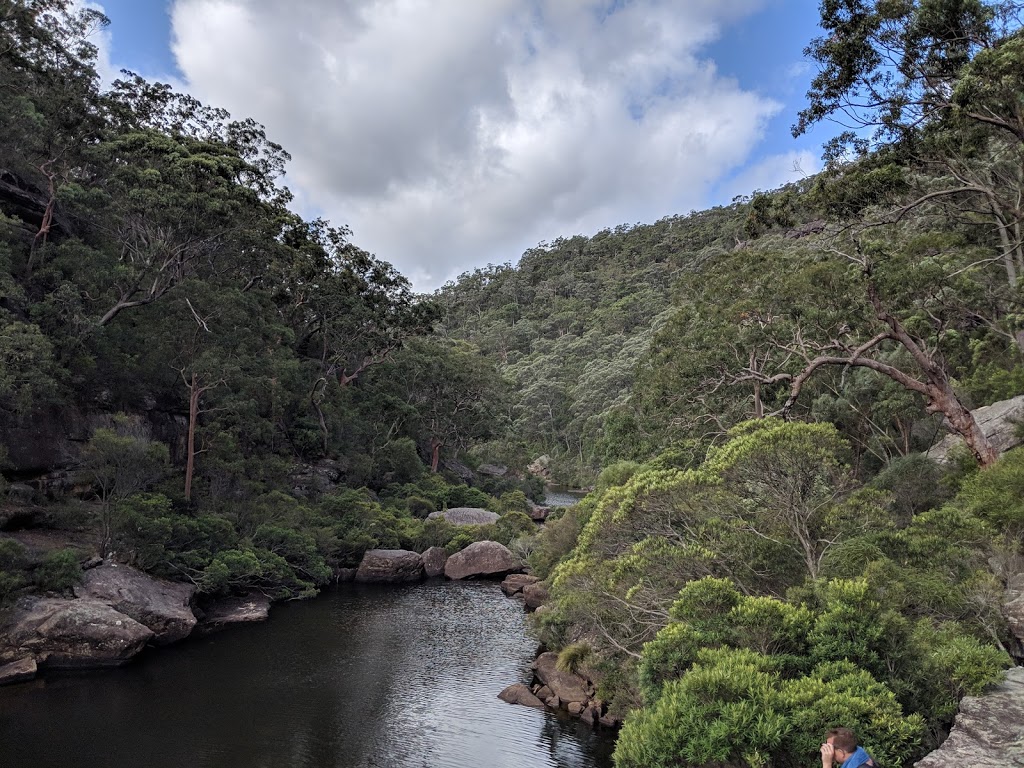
[(520, 694), (390, 566), (989, 731), (482, 559), (163, 606), (235, 610), (77, 633)]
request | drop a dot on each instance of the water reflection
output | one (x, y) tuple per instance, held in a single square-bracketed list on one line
[(358, 678)]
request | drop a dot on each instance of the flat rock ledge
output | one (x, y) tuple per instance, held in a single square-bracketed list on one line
[(19, 671), (482, 559), (163, 606), (514, 583), (988, 732), (999, 423), (390, 566), (521, 694), (234, 610), (70, 634), (466, 516)]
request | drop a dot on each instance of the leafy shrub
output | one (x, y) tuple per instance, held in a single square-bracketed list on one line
[(12, 562), (59, 571)]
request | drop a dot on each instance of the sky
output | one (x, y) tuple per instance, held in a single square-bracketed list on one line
[(452, 134)]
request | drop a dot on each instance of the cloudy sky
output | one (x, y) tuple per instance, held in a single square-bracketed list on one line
[(450, 134)]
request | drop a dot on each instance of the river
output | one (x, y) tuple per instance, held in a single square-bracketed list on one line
[(357, 678)]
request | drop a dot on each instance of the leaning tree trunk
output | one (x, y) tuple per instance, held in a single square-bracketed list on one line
[(435, 453)]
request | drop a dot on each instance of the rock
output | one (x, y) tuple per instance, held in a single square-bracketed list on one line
[(18, 671), (93, 562), (810, 228), (492, 470), (163, 606), (520, 694), (575, 708), (20, 493), (345, 575), (514, 583), (538, 513), (590, 715), (433, 562), (235, 610), (466, 516), (77, 633), (999, 423), (543, 692), (390, 566), (553, 701), (565, 686), (536, 595), (481, 559), (540, 466), (610, 721), (989, 730), (310, 480)]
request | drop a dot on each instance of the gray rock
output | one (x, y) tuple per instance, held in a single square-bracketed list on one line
[(78, 633), (163, 606), (610, 721), (988, 732), (567, 687), (541, 466), (538, 513), (482, 559), (345, 575), (20, 493), (18, 671), (514, 583), (536, 595), (999, 423), (465, 516), (492, 470), (248, 609), (575, 708), (433, 562), (520, 694), (390, 566)]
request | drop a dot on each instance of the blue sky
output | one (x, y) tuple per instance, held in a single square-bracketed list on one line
[(450, 135)]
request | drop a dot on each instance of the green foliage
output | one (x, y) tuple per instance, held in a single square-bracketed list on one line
[(996, 495), (59, 571), (12, 563)]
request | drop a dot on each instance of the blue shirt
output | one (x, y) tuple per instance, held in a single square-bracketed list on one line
[(857, 759)]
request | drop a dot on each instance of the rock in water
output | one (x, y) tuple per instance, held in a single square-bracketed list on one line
[(536, 595), (515, 582), (18, 671), (71, 634), (567, 687), (390, 566), (989, 730), (481, 559), (433, 561), (466, 516), (235, 610), (163, 606), (520, 694)]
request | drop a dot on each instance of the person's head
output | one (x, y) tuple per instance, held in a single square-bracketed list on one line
[(844, 740)]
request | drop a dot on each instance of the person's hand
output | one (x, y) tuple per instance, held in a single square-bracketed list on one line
[(828, 754)]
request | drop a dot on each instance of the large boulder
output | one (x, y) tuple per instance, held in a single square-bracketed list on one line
[(989, 730), (433, 562), (163, 606), (567, 687), (390, 566), (465, 516), (520, 694), (514, 583), (999, 423), (535, 595), (482, 559), (71, 634), (247, 609)]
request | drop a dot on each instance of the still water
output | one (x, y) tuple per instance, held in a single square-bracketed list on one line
[(360, 677)]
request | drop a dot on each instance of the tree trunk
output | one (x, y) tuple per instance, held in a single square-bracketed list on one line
[(193, 417), (435, 453), (962, 421)]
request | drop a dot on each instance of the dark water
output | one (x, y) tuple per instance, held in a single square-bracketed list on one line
[(360, 677)]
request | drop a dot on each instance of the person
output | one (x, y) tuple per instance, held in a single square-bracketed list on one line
[(840, 750)]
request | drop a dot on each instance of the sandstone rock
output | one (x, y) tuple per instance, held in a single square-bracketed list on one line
[(71, 633), (235, 610), (514, 583), (590, 715), (575, 708), (536, 595), (610, 721), (540, 466), (390, 566), (466, 516), (18, 671), (538, 513), (553, 701), (520, 694), (988, 732), (481, 559), (997, 421), (492, 470), (433, 561), (163, 606), (565, 686)]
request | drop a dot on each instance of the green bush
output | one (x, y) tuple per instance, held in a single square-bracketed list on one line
[(12, 563), (59, 571)]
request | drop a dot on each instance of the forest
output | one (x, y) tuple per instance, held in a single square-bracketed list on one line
[(248, 400)]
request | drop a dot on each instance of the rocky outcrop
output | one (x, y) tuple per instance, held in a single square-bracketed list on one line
[(390, 566), (541, 466), (311, 480), (810, 228), (492, 470), (482, 559), (514, 583), (522, 695), (19, 671), (465, 516), (999, 423), (567, 687), (234, 610), (162, 606), (433, 562), (78, 633), (988, 732), (535, 595), (538, 513), (564, 690)]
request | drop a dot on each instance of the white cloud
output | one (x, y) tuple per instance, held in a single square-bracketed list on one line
[(772, 172), (449, 133)]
